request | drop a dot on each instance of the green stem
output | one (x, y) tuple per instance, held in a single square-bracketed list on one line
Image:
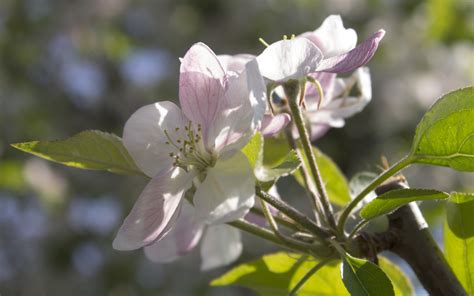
[(359, 226), (317, 211), (281, 221), (307, 276), (404, 162), (294, 214), (276, 231), (292, 91), (266, 234)]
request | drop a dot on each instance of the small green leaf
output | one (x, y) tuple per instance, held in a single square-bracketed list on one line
[(284, 161), (276, 274), (362, 277), (359, 181), (290, 163), (274, 151), (459, 238), (336, 183), (93, 150), (445, 135), (392, 200), (253, 150)]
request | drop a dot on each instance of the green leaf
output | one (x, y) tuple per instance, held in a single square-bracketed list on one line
[(276, 274), (290, 163), (275, 150), (283, 161), (401, 283), (336, 183), (392, 200), (445, 135), (362, 277), (93, 150), (359, 181), (253, 150), (459, 238)]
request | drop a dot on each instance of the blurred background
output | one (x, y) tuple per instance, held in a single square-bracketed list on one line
[(68, 66)]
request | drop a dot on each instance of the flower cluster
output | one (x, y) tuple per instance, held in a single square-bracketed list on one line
[(200, 180)]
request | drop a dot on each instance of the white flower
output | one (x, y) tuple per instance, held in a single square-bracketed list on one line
[(330, 48), (337, 104), (200, 144)]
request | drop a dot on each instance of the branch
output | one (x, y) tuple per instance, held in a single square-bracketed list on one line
[(408, 236)]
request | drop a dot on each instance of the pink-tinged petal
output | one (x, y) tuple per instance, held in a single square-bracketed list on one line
[(201, 85), (182, 238), (145, 139), (272, 125), (355, 58), (318, 130), (327, 81), (240, 112), (234, 63), (348, 106), (154, 211), (228, 192), (332, 38), (335, 110), (221, 245), (289, 59)]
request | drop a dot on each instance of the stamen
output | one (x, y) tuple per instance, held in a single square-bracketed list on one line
[(263, 42), (319, 88)]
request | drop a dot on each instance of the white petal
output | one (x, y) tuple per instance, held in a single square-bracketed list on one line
[(181, 239), (271, 125), (201, 86), (234, 63), (337, 109), (221, 245), (332, 38), (241, 112), (155, 210), (228, 192), (289, 59), (144, 136)]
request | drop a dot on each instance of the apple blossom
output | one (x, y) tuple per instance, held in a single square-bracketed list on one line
[(336, 104), (199, 145), (330, 48)]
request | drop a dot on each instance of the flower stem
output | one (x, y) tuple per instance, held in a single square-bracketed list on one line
[(309, 187), (281, 221), (267, 235), (294, 214), (277, 232), (404, 162), (292, 89)]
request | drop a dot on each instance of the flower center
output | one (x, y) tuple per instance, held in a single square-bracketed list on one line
[(190, 152)]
